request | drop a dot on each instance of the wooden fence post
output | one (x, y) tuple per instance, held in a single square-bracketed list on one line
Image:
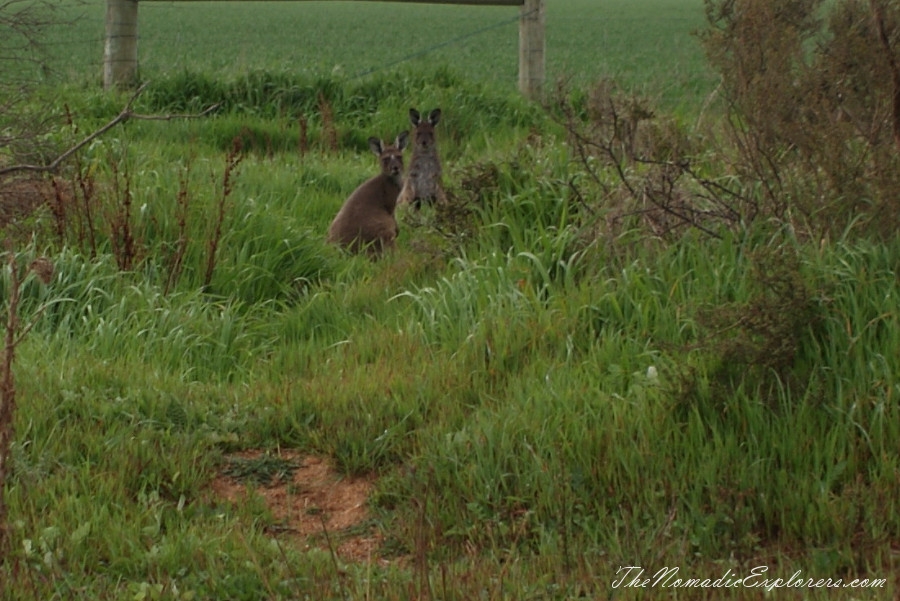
[(120, 58), (120, 55), (531, 49)]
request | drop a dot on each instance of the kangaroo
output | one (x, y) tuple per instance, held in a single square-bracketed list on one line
[(423, 182), (366, 219)]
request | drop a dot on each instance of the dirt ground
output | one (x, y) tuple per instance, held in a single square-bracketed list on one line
[(307, 500)]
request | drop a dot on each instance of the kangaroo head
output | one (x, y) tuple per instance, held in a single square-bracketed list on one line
[(390, 156), (423, 132)]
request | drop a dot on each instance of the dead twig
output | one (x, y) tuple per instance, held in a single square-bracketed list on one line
[(8, 394), (878, 16)]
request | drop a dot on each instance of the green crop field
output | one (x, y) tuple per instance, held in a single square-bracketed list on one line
[(647, 45), (552, 378)]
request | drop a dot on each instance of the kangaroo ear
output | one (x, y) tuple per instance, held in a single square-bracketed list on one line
[(402, 140), (376, 145), (414, 117), (434, 116)]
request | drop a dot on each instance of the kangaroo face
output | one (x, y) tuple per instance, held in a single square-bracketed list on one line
[(390, 156), (391, 161), (423, 132)]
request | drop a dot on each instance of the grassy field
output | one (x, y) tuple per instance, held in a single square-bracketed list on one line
[(532, 397), (646, 45)]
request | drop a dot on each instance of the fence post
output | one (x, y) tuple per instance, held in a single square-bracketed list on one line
[(120, 58), (531, 49)]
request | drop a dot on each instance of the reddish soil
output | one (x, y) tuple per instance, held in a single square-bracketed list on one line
[(313, 502)]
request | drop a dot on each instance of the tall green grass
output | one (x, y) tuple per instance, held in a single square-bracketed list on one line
[(581, 429), (530, 423)]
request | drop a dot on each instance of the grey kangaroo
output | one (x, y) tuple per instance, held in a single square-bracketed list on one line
[(366, 219), (423, 182)]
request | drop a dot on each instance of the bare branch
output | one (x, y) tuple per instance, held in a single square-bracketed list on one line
[(125, 115)]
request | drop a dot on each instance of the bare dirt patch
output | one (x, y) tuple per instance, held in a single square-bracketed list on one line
[(307, 498)]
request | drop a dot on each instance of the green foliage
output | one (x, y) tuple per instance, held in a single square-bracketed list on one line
[(261, 470), (90, 307), (761, 338)]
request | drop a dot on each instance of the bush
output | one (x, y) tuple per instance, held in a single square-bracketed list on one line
[(812, 106), (810, 137)]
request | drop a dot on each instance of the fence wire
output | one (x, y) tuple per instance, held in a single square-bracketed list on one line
[(59, 47), (438, 46)]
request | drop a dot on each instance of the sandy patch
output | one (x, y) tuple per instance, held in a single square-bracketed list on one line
[(307, 498)]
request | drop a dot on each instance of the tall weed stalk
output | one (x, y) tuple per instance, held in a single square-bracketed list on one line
[(176, 259), (13, 334), (232, 161)]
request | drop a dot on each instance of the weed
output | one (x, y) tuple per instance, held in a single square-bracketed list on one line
[(12, 338), (232, 161), (261, 471), (176, 260)]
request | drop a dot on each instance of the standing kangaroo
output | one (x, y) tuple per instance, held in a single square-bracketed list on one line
[(423, 182), (366, 219)]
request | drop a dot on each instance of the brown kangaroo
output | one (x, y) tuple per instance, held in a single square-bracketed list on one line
[(423, 182), (366, 219)]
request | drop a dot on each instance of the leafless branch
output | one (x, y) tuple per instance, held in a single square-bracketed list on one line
[(125, 115)]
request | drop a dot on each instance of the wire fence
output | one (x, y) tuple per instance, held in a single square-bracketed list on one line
[(585, 43), (170, 38), (429, 49)]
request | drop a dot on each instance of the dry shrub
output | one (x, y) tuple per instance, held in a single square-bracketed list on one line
[(755, 345), (809, 135), (811, 90), (764, 334), (20, 197), (640, 167)]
